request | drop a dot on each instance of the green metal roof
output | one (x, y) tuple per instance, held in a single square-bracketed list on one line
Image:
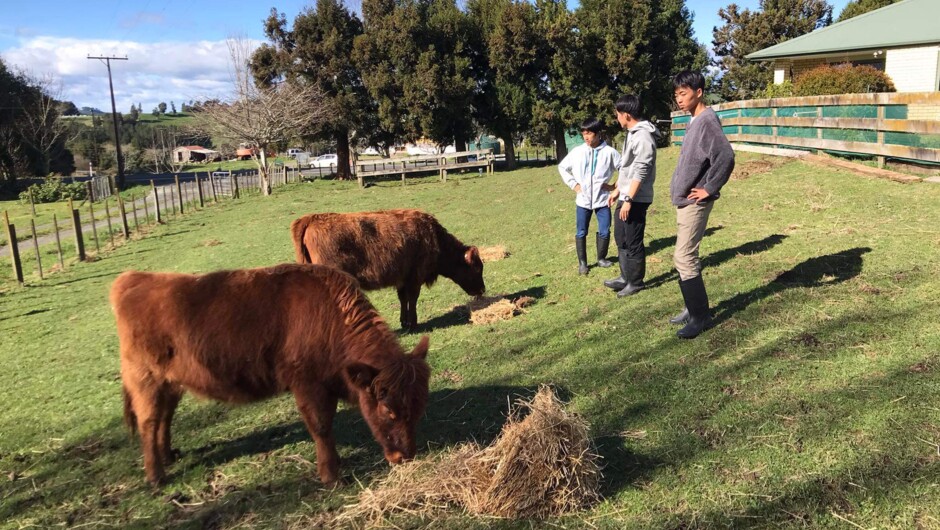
[(906, 23)]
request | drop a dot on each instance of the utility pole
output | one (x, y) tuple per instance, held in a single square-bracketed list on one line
[(119, 183)]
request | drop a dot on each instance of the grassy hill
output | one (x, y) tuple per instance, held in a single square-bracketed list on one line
[(812, 403)]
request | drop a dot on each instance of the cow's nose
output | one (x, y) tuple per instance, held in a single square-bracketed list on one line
[(395, 457)]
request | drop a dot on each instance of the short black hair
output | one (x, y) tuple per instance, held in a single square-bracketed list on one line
[(688, 79), (592, 124), (629, 104)]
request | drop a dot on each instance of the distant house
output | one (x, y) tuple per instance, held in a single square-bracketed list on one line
[(195, 153), (902, 39)]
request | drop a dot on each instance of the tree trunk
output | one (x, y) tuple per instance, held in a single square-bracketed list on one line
[(263, 179), (510, 153), (342, 154), (460, 144), (561, 148)]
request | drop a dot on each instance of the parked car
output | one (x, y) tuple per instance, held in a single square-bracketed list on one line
[(293, 152), (325, 161)]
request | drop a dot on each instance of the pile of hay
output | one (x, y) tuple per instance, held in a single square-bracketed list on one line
[(488, 254), (541, 465), (489, 309)]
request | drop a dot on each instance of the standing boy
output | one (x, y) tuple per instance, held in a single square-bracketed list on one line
[(705, 163), (586, 170), (633, 195)]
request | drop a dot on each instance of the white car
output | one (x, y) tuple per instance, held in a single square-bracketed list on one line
[(293, 152), (325, 161)]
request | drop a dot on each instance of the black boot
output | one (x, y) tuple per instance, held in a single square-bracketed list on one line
[(696, 301), (636, 271), (681, 318), (603, 243), (619, 282), (580, 245)]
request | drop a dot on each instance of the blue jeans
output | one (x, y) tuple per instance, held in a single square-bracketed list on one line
[(584, 221)]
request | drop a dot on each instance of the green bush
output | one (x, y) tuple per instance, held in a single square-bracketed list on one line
[(774, 90), (54, 190), (842, 79)]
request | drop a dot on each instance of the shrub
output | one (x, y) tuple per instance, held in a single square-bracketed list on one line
[(774, 90), (53, 190), (842, 79)]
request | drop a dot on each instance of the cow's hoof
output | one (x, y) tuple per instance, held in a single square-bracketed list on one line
[(172, 456)]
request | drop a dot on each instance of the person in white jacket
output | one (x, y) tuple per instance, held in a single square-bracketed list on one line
[(587, 170)]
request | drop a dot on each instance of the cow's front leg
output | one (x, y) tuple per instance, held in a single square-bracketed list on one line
[(413, 305), (318, 407), (403, 303)]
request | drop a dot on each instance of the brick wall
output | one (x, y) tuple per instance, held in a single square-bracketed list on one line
[(914, 69)]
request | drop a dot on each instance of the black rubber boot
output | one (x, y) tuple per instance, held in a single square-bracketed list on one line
[(619, 282), (603, 244), (696, 301), (636, 270), (580, 245), (681, 318)]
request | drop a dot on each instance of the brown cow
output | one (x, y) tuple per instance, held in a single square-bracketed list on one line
[(392, 248), (245, 335)]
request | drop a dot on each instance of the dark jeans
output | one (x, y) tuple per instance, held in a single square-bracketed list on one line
[(584, 221), (629, 234)]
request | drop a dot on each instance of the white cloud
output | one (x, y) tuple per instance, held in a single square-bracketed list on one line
[(154, 72)]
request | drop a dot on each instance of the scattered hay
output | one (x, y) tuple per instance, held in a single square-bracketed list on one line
[(211, 243), (489, 309), (541, 465), (496, 253), (757, 167)]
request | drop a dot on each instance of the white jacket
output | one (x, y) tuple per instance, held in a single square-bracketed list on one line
[(590, 168)]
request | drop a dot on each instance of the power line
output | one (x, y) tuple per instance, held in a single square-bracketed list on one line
[(119, 184)]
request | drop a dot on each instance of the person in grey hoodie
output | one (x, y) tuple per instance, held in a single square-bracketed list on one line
[(633, 195), (586, 170), (705, 164)]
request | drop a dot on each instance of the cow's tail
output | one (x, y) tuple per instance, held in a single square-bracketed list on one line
[(130, 418), (298, 229)]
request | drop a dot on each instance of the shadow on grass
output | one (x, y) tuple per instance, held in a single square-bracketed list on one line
[(717, 258), (458, 315), (815, 272), (665, 242)]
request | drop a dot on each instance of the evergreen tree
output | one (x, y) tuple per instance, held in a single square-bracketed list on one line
[(860, 7)]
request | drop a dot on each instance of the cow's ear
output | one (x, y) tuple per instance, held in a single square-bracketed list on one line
[(421, 350), (361, 375), (472, 255)]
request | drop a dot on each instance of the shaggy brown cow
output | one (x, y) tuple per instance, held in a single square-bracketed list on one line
[(392, 248), (245, 335)]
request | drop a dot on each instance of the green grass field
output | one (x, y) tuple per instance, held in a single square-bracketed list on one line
[(814, 402)]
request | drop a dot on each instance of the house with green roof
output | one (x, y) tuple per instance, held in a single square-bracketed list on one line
[(902, 39)]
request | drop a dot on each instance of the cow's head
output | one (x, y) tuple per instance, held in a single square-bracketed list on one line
[(392, 400), (468, 272)]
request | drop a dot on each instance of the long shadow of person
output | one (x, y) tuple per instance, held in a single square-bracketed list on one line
[(830, 269), (664, 242), (717, 258)]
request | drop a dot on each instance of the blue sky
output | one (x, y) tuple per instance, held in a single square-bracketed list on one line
[(176, 48)]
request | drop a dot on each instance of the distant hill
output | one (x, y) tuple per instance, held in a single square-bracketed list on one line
[(90, 111)]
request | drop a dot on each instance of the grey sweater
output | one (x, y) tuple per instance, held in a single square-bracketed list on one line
[(705, 160), (638, 161)]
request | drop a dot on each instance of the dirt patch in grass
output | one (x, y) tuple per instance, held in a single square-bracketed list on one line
[(757, 167), (494, 253)]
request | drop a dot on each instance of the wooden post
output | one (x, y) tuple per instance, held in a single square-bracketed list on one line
[(77, 226), (179, 193), (134, 212), (146, 211), (107, 213), (156, 203), (215, 197), (234, 186), (32, 203), (58, 242), (881, 136), (94, 229), (202, 203), (14, 249), (123, 211), (403, 179), (32, 228)]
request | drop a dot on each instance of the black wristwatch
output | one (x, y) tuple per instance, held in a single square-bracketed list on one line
[(627, 198)]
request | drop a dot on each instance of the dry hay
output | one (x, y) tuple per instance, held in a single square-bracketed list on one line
[(542, 465), (489, 309), (496, 253)]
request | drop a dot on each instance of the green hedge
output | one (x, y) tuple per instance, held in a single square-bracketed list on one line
[(842, 79)]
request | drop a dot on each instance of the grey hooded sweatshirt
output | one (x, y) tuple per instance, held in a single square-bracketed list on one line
[(638, 161)]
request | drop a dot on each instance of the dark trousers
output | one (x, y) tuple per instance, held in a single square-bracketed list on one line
[(629, 234)]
